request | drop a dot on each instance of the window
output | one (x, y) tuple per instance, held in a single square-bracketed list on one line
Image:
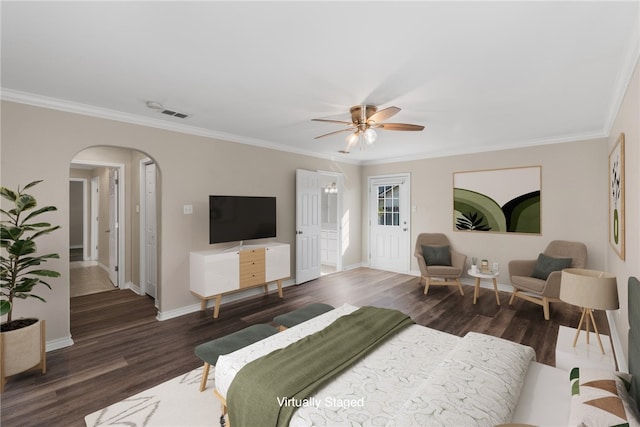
[(389, 205)]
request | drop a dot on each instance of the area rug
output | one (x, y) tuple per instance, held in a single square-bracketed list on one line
[(177, 402)]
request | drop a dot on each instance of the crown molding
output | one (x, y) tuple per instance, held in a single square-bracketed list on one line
[(105, 113)]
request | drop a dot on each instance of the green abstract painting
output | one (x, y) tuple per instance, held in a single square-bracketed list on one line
[(497, 200)]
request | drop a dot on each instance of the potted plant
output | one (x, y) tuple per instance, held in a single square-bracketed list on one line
[(22, 341)]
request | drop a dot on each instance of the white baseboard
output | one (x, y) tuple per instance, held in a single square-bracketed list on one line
[(353, 266), (617, 344), (135, 288), (58, 343)]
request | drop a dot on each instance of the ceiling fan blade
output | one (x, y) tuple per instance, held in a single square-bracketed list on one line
[(334, 132), (342, 122), (399, 126), (384, 114)]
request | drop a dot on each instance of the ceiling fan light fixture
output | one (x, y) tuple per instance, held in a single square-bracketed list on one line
[(370, 136), (353, 138), (364, 118)]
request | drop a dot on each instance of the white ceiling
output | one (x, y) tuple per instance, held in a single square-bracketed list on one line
[(479, 75)]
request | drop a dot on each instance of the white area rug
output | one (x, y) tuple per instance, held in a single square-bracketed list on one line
[(176, 403)]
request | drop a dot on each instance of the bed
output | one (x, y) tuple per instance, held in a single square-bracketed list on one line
[(418, 377)]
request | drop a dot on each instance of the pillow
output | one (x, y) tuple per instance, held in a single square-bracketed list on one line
[(601, 398), (436, 255), (546, 264)]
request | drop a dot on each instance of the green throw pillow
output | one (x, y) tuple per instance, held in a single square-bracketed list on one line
[(546, 264), (436, 255)]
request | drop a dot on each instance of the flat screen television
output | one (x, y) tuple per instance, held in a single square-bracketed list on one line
[(237, 218)]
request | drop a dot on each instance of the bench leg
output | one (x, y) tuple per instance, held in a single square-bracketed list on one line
[(205, 375)]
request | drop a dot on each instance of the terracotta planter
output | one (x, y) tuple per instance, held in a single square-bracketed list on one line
[(21, 350)]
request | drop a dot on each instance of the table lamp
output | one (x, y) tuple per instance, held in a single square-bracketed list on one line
[(591, 290)]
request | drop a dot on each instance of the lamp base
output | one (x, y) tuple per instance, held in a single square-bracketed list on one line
[(587, 318)]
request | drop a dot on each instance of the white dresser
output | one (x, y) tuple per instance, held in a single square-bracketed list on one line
[(216, 272)]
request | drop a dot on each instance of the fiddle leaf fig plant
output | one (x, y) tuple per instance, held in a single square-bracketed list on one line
[(19, 230)]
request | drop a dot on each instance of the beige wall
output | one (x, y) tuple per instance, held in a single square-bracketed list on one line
[(573, 194), (191, 168), (628, 122)]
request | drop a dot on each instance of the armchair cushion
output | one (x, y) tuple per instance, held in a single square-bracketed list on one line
[(436, 255), (546, 264)]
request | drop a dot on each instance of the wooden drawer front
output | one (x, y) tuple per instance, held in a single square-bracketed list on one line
[(252, 267)]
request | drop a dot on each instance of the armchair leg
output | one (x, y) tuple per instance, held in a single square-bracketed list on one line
[(426, 285), (460, 286), (545, 308), (513, 296)]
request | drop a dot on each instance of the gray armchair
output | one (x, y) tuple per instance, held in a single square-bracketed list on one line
[(528, 276), (442, 269)]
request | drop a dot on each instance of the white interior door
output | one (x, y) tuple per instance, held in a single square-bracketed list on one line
[(307, 225), (113, 226), (389, 219), (150, 241)]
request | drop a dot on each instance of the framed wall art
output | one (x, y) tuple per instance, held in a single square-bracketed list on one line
[(616, 197), (498, 200)]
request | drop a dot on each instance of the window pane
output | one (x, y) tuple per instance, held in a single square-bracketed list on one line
[(389, 205)]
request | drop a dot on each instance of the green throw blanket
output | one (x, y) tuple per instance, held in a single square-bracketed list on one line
[(294, 373)]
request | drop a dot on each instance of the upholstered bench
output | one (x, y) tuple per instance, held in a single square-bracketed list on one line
[(210, 351), (300, 315)]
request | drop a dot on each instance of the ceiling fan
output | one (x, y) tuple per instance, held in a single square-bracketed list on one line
[(364, 119)]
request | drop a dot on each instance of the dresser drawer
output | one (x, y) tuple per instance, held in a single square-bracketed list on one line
[(252, 267)]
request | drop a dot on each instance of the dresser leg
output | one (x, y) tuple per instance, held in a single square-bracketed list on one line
[(216, 309)]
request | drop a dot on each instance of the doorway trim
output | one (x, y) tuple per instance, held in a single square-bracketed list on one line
[(121, 213)]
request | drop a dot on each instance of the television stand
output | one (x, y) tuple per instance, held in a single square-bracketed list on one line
[(218, 272)]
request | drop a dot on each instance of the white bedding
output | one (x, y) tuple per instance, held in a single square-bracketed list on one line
[(545, 398), (420, 377)]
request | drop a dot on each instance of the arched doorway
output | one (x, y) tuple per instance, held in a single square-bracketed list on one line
[(119, 220)]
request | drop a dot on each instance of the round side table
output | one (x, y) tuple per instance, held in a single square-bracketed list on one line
[(488, 275)]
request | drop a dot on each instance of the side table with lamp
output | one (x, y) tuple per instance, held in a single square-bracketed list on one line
[(590, 290)]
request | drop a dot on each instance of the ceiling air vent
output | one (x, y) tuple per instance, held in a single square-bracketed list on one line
[(174, 114)]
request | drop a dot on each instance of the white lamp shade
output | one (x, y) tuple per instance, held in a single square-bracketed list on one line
[(589, 289), (370, 136), (352, 139)]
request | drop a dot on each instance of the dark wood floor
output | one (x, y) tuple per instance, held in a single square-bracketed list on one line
[(121, 349)]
